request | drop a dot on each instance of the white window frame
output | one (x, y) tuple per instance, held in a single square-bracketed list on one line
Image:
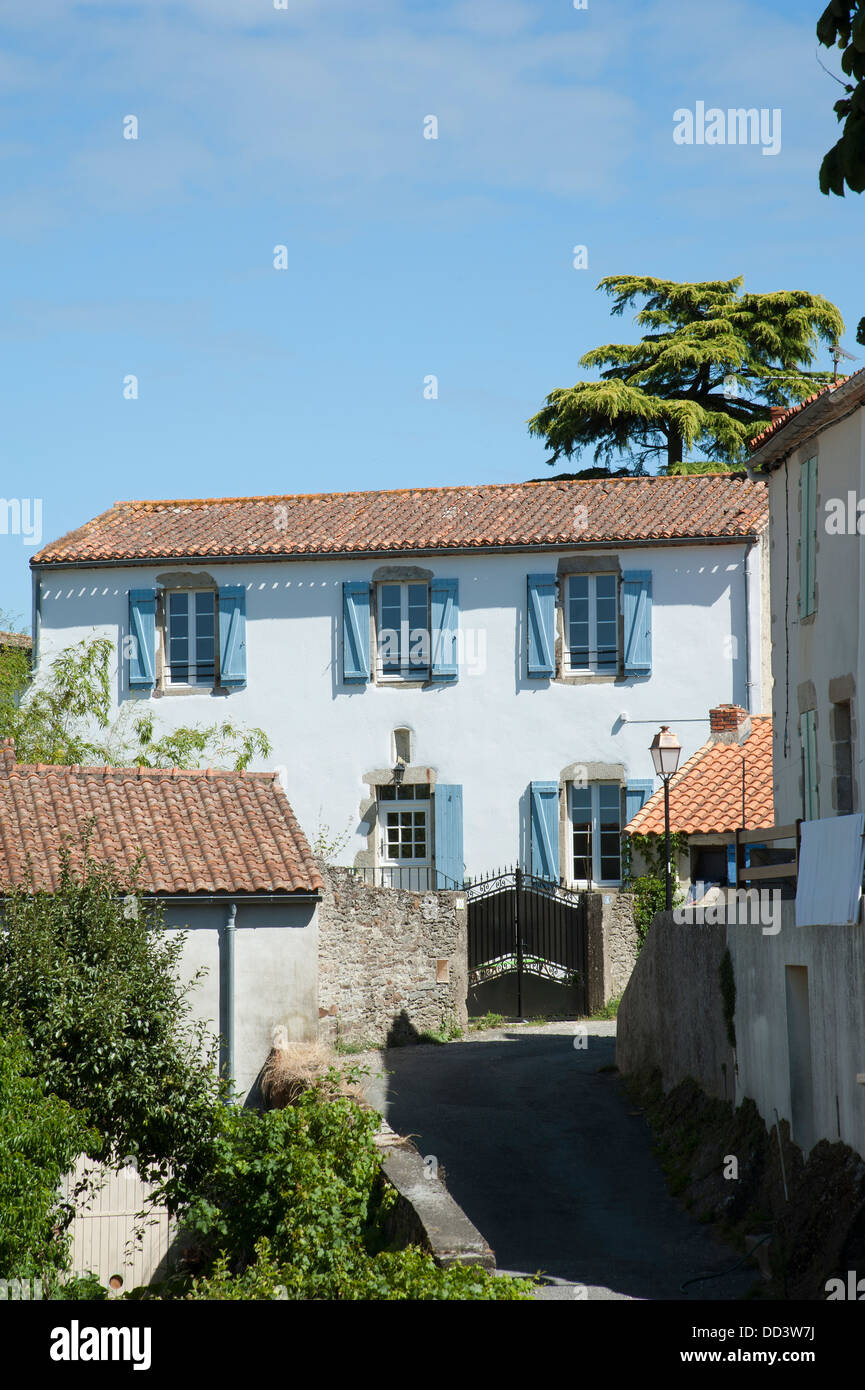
[(408, 636), (595, 821), (208, 682), (414, 805), (592, 668)]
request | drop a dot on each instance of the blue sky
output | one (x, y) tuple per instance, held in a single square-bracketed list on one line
[(407, 257)]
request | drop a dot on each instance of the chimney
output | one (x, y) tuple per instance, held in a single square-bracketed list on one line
[(7, 756), (729, 724)]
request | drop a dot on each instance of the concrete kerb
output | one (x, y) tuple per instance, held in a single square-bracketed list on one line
[(425, 1213)]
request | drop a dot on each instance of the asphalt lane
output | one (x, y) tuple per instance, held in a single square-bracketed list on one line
[(543, 1151)]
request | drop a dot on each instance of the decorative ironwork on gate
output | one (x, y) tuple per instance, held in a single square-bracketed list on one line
[(521, 924)]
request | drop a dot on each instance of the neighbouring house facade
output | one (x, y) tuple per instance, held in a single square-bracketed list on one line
[(724, 787), (224, 855), (800, 971), (451, 678), (814, 460)]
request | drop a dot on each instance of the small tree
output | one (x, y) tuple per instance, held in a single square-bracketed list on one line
[(40, 1139), (64, 716), (91, 979), (712, 363)]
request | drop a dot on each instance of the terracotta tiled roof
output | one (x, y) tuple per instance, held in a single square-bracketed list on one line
[(706, 793), (809, 416), (199, 832), (15, 639), (522, 515)]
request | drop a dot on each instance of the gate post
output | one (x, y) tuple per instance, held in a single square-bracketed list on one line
[(595, 990), (518, 888)]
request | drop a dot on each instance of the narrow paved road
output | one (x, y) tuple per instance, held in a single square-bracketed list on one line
[(546, 1156)]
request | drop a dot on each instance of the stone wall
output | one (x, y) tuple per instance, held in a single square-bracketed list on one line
[(392, 963), (621, 942), (671, 1017)]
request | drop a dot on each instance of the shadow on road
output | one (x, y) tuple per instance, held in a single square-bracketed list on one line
[(544, 1152)]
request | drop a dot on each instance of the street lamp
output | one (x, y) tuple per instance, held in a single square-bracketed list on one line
[(398, 773), (665, 751)]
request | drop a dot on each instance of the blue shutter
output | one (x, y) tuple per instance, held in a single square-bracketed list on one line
[(637, 794), (232, 634), (142, 629), (637, 610), (448, 809), (731, 865), (444, 626), (542, 624), (355, 630), (545, 829)]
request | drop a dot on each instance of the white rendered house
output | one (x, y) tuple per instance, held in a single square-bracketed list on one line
[(451, 678)]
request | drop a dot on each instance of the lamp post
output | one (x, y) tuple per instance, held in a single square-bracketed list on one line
[(665, 751)]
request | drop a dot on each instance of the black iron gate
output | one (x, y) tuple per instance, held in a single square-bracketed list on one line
[(522, 925)]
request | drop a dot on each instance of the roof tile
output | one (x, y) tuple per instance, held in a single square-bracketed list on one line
[(547, 513), (197, 831)]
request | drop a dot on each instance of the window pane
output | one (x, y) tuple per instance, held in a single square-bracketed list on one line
[(418, 624), (421, 791), (178, 637), (205, 616), (606, 619), (578, 620), (610, 819), (389, 629)]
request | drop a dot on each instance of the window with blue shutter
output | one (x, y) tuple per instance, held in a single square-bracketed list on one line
[(637, 793), (448, 814), (444, 628), (807, 537), (142, 634), (355, 631), (637, 613), (545, 829), (232, 634), (542, 624)]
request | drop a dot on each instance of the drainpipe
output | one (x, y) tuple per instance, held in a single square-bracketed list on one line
[(226, 997)]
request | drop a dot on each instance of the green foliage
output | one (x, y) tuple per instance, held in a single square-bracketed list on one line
[(843, 23), (650, 887), (667, 394), (489, 1020), (96, 993), (328, 844), (392, 1275), (40, 1139), (609, 1010), (728, 995), (84, 1288), (64, 716), (293, 1208)]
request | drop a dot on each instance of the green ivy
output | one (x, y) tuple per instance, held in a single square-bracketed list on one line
[(650, 887)]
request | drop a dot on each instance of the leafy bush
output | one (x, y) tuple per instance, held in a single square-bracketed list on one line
[(294, 1208), (96, 993), (392, 1275), (40, 1139)]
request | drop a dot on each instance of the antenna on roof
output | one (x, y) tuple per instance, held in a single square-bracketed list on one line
[(837, 353)]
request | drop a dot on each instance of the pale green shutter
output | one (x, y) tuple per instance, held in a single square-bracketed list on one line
[(807, 537)]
